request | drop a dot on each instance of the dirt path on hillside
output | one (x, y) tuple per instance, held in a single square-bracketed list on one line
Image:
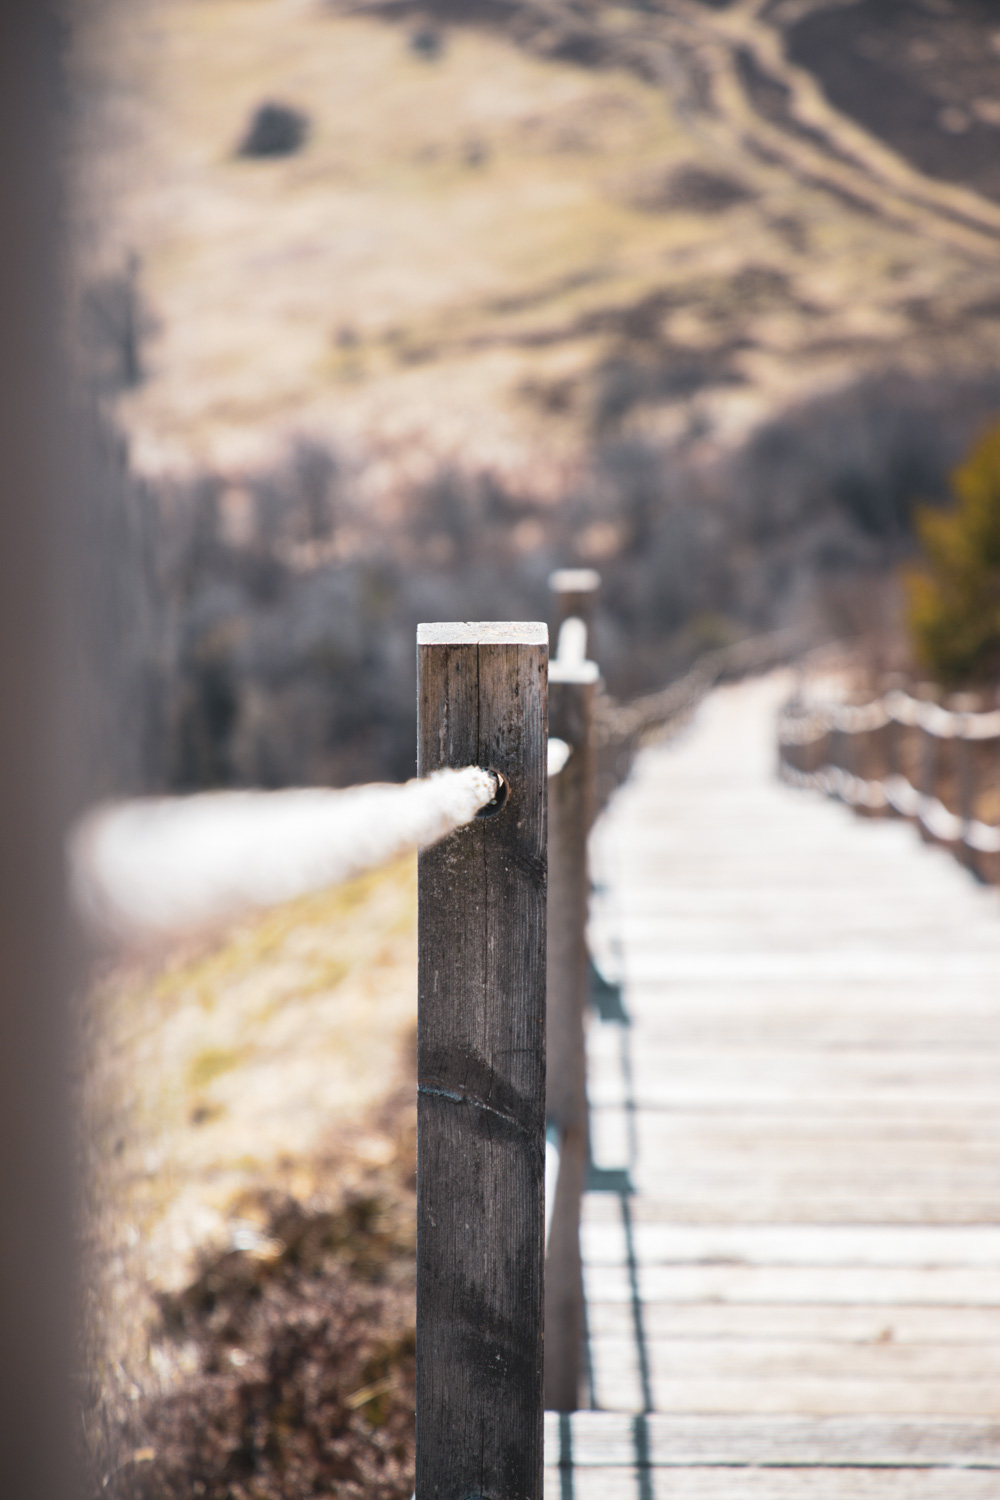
[(574, 224)]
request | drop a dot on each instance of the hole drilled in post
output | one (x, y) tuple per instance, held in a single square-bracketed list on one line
[(499, 798)]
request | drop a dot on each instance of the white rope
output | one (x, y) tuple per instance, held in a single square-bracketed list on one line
[(553, 1154), (617, 723), (152, 867), (899, 794), (559, 753), (571, 645), (805, 727), (148, 868)]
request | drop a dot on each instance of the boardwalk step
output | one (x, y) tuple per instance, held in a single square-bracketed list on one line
[(805, 1283), (601, 1439)]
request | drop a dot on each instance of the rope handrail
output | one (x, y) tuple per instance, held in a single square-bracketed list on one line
[(618, 723), (558, 753), (799, 725), (899, 794), (865, 754), (156, 866), (153, 867)]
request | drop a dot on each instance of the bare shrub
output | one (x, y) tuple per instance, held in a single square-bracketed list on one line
[(264, 636)]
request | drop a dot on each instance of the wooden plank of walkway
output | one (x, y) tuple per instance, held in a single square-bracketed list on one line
[(804, 1290)]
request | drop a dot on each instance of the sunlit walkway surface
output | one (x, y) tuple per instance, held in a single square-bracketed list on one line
[(801, 1298)]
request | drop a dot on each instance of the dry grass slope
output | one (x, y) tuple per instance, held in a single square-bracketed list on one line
[(251, 1223), (493, 249)]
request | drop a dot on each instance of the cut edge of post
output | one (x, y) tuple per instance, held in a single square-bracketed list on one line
[(483, 633), (574, 581)]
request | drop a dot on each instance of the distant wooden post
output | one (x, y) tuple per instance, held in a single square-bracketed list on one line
[(927, 692), (964, 753), (892, 733), (575, 593), (847, 750), (835, 748), (481, 1072), (572, 684)]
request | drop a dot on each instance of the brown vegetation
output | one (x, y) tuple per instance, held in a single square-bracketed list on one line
[(249, 1162), (659, 299), (301, 1365), (954, 597), (262, 633)]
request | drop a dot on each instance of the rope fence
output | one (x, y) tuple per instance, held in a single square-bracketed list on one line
[(907, 755), (516, 753), (622, 729), (155, 867)]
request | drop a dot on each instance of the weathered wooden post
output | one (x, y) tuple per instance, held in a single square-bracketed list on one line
[(837, 751), (481, 1071), (964, 756), (927, 692), (575, 593), (892, 737), (572, 684), (847, 753)]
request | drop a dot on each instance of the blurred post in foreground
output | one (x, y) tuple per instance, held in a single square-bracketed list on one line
[(481, 1070), (572, 685), (35, 1215)]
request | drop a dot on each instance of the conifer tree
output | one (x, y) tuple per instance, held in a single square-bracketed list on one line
[(954, 596)]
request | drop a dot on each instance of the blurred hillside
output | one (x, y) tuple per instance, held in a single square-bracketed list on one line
[(704, 294), (514, 227)]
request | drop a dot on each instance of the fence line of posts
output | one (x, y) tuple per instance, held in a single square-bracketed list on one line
[(489, 1278), (504, 979), (573, 681), (912, 755), (499, 990)]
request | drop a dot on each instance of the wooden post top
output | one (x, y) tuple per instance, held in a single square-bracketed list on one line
[(484, 633), (581, 672), (574, 581), (575, 592)]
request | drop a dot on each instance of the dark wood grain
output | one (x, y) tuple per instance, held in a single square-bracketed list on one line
[(481, 1073), (571, 804)]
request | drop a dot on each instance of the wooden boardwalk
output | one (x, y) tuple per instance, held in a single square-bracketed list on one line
[(801, 1297)]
